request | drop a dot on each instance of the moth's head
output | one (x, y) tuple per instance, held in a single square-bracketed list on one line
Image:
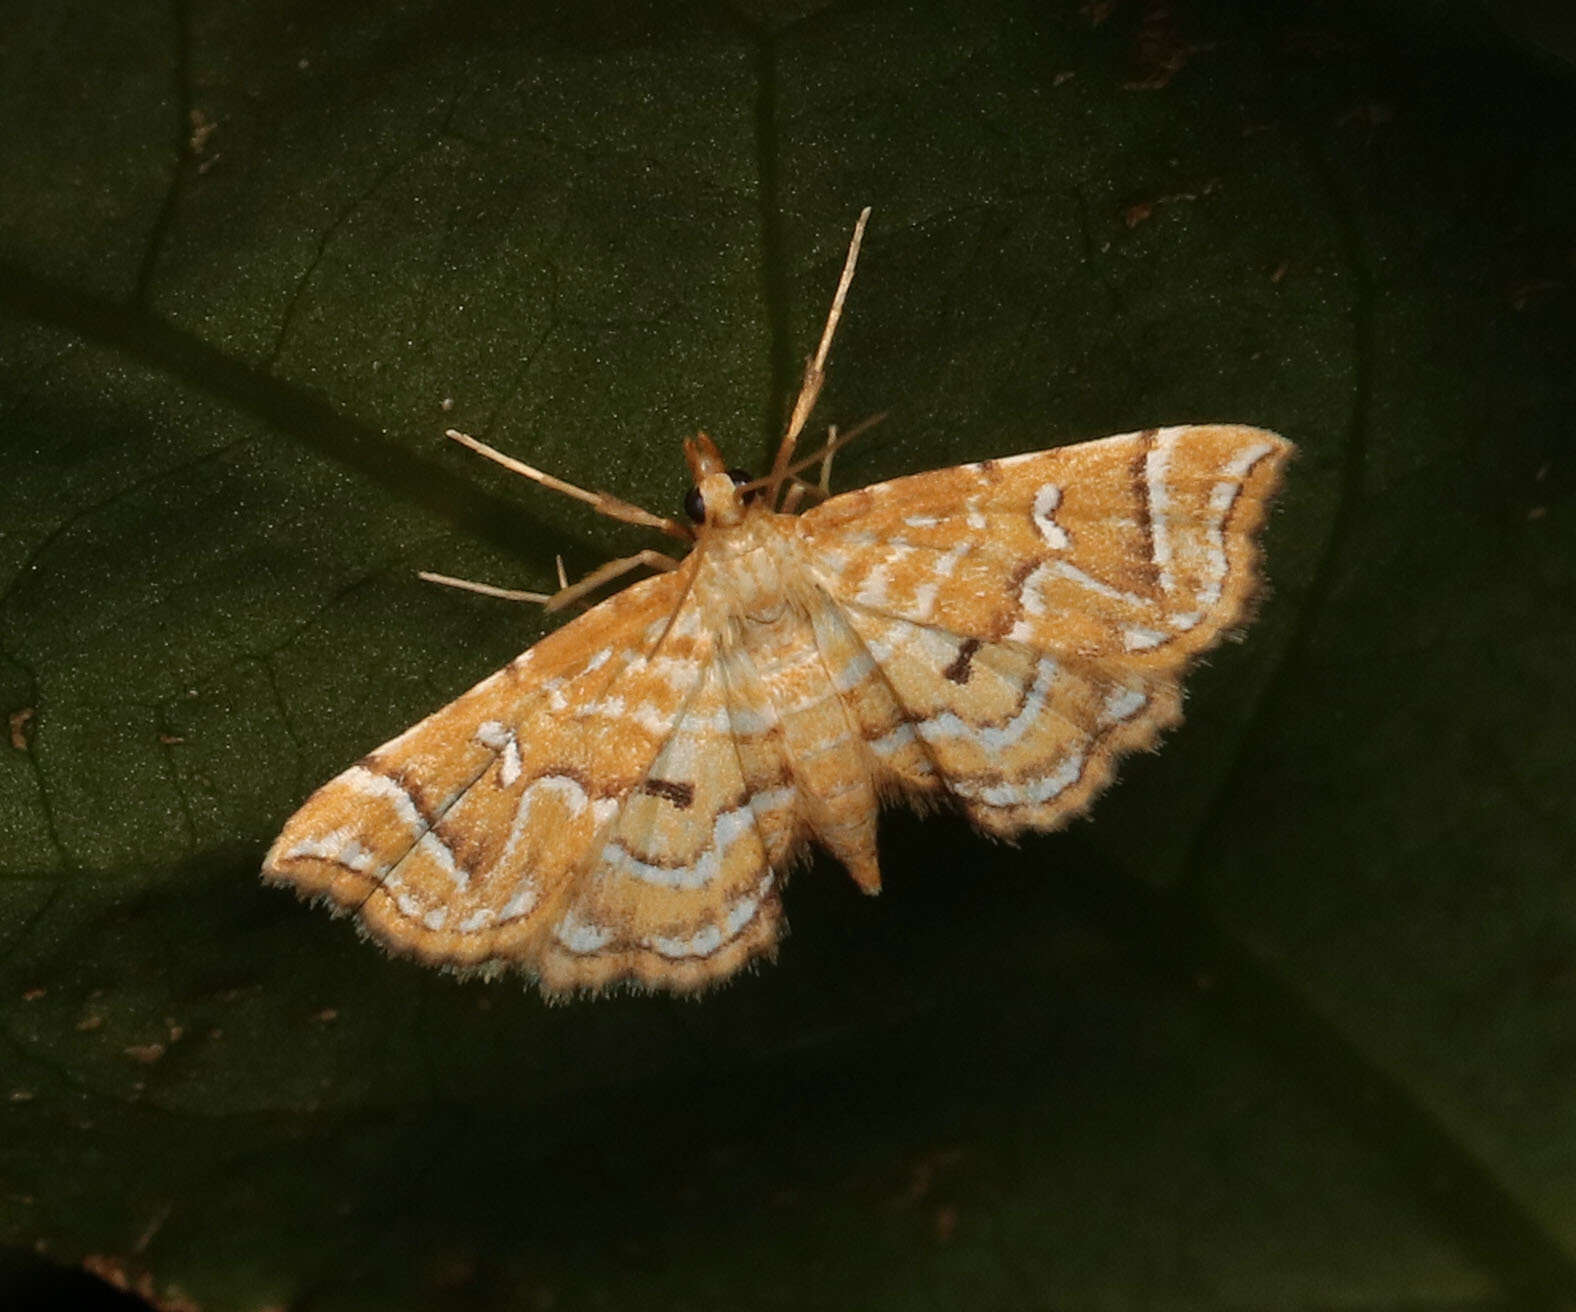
[(716, 499)]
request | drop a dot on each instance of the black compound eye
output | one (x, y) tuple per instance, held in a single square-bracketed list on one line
[(695, 506), (740, 477)]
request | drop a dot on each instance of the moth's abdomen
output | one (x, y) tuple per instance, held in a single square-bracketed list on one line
[(817, 743)]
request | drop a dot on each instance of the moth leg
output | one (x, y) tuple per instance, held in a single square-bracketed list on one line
[(815, 366), (798, 490), (568, 593), (825, 483), (603, 502), (572, 592), (836, 442), (485, 589)]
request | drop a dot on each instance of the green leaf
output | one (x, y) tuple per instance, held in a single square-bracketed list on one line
[(1287, 1022)]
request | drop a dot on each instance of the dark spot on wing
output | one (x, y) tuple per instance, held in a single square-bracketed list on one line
[(960, 670), (680, 794)]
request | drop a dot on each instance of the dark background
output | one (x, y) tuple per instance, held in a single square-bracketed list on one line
[(1286, 1023)]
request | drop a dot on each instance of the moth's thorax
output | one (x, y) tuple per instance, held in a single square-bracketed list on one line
[(746, 570)]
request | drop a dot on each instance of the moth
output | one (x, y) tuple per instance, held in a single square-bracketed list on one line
[(621, 804)]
